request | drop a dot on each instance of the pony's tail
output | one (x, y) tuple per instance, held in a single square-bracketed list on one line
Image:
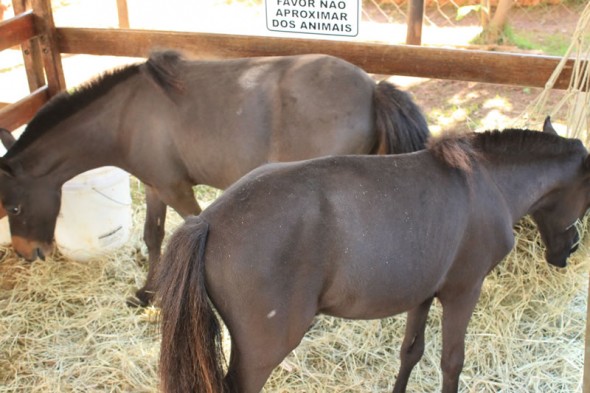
[(191, 359), (401, 126)]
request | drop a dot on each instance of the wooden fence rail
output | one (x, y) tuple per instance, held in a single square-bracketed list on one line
[(465, 65), (16, 30), (34, 29), (14, 115)]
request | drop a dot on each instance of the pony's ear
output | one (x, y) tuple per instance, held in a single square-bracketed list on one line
[(548, 127), (7, 138), (5, 168)]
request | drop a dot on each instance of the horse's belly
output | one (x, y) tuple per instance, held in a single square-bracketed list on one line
[(379, 296)]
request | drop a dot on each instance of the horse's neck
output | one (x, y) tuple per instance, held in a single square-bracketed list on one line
[(85, 140), (522, 185), (70, 149)]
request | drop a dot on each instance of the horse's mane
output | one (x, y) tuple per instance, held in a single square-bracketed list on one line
[(160, 67), (461, 150)]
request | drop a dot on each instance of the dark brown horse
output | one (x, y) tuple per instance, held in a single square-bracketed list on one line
[(359, 237), (174, 123)]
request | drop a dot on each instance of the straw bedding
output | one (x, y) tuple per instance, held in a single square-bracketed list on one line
[(64, 327)]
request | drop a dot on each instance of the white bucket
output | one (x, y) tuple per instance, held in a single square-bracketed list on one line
[(96, 215), (5, 239), (4, 232)]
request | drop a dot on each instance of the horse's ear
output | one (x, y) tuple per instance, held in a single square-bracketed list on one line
[(7, 138), (548, 127), (5, 168)]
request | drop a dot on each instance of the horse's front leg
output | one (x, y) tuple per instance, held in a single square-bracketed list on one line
[(183, 200), (457, 310), (413, 346), (153, 236)]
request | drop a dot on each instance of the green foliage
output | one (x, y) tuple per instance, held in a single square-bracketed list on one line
[(510, 36), (554, 44), (550, 44)]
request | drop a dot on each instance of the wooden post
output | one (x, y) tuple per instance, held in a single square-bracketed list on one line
[(484, 13), (31, 52), (49, 46), (414, 22), (123, 13)]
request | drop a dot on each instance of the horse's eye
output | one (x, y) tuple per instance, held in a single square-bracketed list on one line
[(13, 210)]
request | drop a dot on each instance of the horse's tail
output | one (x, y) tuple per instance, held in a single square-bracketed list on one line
[(401, 126), (191, 359)]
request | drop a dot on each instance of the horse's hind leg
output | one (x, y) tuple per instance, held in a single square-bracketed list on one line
[(257, 350), (244, 375), (413, 345)]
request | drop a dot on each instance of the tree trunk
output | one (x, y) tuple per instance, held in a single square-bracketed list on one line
[(492, 33)]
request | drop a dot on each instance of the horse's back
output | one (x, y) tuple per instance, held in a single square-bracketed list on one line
[(242, 113)]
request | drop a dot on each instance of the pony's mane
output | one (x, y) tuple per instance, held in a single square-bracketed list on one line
[(460, 150), (160, 67)]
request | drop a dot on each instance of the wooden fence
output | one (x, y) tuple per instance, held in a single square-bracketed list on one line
[(42, 44)]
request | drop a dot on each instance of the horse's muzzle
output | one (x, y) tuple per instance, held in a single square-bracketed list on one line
[(31, 250), (35, 254), (559, 259), (38, 253)]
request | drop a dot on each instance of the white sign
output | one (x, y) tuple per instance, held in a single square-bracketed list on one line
[(330, 17)]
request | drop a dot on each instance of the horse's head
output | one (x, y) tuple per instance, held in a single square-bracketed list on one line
[(557, 213), (32, 206)]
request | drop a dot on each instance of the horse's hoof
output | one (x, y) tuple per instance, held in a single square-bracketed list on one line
[(135, 302), (142, 298)]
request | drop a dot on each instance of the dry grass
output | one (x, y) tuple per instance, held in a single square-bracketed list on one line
[(64, 327)]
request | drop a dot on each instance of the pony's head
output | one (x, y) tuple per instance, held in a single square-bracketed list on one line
[(557, 213), (32, 206)]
